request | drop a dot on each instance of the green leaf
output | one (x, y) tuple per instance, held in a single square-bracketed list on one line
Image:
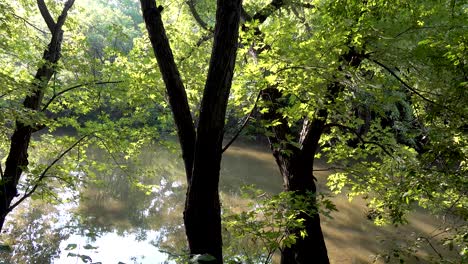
[(88, 246), (71, 246)]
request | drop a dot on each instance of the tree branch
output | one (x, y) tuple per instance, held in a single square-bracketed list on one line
[(72, 88), (31, 24), (174, 85), (433, 248), (244, 15), (265, 12), (44, 172), (359, 137), (196, 15), (61, 19), (243, 124), (412, 89), (202, 40), (116, 162), (46, 15)]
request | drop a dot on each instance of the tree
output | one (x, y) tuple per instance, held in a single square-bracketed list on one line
[(78, 104), (326, 85), (17, 159), (201, 150)]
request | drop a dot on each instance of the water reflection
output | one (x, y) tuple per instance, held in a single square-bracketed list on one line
[(134, 214), (123, 215)]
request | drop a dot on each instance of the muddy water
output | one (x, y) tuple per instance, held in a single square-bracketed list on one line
[(115, 221), (350, 236)]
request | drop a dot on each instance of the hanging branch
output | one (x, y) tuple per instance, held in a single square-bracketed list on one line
[(360, 138), (412, 89), (44, 172), (72, 88), (244, 124)]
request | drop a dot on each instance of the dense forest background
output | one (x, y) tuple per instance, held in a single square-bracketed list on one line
[(375, 88)]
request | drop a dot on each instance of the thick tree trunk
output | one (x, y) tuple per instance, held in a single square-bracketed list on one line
[(202, 155), (17, 159), (202, 216), (296, 168), (312, 248)]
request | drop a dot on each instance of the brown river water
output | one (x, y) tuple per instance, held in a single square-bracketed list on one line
[(116, 221)]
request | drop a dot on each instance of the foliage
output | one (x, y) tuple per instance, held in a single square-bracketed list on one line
[(396, 133), (255, 235)]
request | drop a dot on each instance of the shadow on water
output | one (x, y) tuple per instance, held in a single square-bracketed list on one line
[(134, 215)]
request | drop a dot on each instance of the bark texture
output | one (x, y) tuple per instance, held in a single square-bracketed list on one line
[(296, 167), (174, 85), (201, 150), (17, 160)]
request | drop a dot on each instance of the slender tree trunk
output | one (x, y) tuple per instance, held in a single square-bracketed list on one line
[(17, 160), (202, 216)]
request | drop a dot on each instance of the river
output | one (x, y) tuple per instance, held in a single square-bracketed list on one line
[(113, 220)]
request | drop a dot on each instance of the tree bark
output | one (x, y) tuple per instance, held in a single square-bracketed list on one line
[(17, 160), (296, 167), (296, 163), (201, 153), (174, 85), (202, 216)]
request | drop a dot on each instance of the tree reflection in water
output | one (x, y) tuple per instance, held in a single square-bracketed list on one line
[(130, 214), (124, 214)]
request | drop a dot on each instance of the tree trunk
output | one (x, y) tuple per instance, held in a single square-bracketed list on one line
[(312, 248), (296, 167), (202, 154), (17, 160)]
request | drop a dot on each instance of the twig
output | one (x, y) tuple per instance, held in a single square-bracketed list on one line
[(113, 156), (202, 40), (330, 168), (243, 124), (31, 24), (360, 138), (69, 182), (71, 88), (433, 248)]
